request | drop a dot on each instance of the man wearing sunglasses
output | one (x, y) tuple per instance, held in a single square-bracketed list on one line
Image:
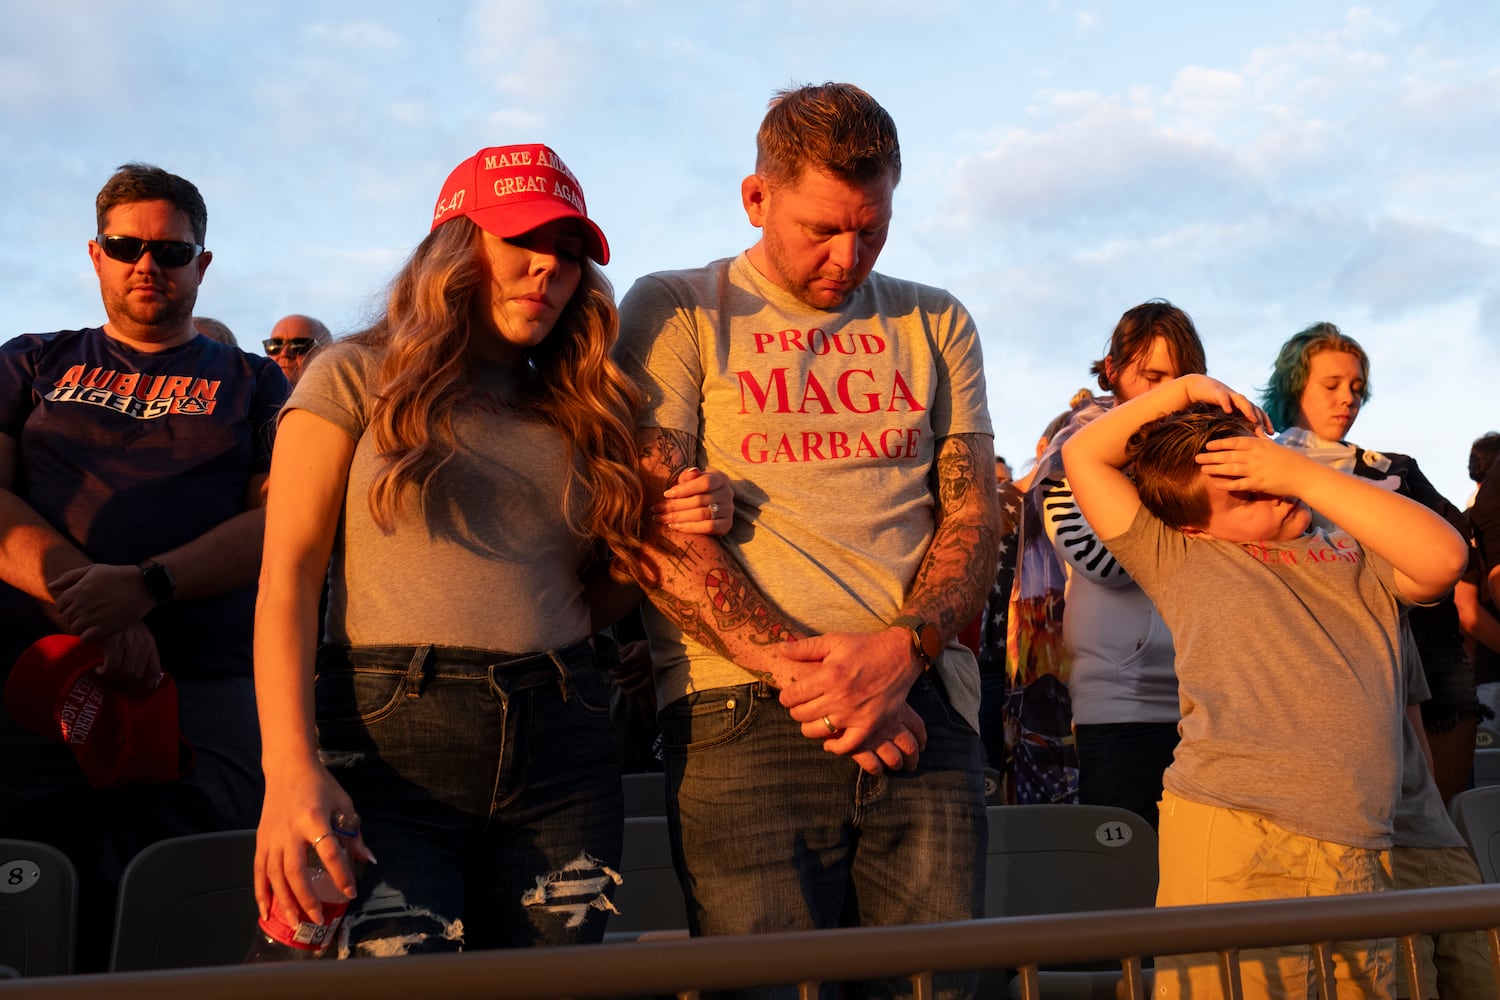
[(133, 459), (293, 341)]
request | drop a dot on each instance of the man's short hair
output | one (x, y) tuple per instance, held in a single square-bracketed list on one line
[(1163, 456), (133, 182), (835, 127)]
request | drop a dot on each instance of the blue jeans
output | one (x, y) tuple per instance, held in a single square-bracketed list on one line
[(772, 833), (1121, 764), (488, 791)]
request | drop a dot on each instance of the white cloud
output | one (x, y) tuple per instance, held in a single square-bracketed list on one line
[(1206, 96), (1106, 168)]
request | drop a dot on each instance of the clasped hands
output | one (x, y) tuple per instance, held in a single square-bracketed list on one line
[(105, 604), (850, 692)]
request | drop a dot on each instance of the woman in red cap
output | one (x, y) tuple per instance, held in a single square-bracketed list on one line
[(460, 474)]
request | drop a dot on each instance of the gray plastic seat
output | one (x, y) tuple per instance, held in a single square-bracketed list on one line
[(1476, 813), (649, 898), (1486, 766), (1067, 859), (187, 902), (38, 909), (645, 793)]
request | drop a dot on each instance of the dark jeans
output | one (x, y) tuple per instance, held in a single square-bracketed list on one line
[(1121, 764), (488, 790), (772, 833)]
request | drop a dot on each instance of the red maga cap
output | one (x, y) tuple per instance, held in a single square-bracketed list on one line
[(118, 737), (510, 190)]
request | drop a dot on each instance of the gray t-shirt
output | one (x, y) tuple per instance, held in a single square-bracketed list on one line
[(488, 562), (1288, 674), (826, 423), (1421, 820)]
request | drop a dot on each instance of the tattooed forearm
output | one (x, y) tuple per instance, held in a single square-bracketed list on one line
[(693, 580), (959, 567), (667, 451), (738, 605), (698, 591)]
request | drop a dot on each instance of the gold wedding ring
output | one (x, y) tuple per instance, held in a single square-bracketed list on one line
[(829, 723)]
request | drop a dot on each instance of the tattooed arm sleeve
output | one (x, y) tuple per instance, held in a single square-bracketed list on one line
[(696, 583), (959, 567)]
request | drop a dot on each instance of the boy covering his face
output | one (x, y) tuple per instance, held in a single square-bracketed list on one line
[(1287, 776)]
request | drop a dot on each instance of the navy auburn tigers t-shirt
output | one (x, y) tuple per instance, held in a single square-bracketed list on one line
[(130, 454)]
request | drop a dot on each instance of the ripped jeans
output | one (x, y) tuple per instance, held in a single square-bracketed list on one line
[(488, 790)]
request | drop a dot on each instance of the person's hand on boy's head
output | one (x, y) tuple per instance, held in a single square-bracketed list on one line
[(1202, 389)]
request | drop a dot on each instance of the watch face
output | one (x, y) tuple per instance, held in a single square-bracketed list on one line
[(931, 643)]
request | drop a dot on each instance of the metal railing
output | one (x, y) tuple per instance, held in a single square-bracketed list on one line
[(688, 967)]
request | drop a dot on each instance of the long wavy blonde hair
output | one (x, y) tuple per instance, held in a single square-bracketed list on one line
[(574, 386)]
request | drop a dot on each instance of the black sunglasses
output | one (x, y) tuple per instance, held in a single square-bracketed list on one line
[(128, 250), (294, 348)]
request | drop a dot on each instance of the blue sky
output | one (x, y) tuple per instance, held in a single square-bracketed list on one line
[(1264, 166)]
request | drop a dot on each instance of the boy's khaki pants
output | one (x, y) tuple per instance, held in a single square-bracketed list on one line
[(1214, 855)]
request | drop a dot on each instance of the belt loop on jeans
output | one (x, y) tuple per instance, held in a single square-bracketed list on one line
[(415, 670), (564, 679), (564, 672)]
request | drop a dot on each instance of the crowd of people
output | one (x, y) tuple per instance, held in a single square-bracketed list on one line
[(382, 597)]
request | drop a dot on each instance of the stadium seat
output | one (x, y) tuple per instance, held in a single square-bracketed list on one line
[(187, 902), (1476, 813), (38, 909), (1067, 859), (649, 898), (645, 793), (1486, 766)]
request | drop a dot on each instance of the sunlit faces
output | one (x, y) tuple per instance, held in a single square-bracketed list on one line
[(1144, 373), (820, 234), (1330, 402), (1248, 516), (532, 278), (145, 302)]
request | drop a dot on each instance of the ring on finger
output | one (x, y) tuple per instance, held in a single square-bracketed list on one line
[(319, 840), (713, 509), (829, 723)]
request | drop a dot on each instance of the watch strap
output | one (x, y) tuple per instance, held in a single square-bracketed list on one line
[(921, 631), (159, 582)]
